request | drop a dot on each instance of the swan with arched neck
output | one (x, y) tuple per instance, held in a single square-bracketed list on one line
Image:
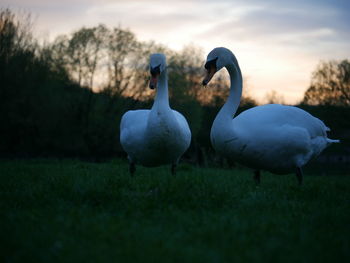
[(276, 138)]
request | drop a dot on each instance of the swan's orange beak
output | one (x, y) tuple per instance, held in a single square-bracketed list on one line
[(210, 73), (153, 81)]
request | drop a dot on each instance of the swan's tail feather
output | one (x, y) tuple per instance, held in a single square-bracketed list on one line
[(329, 141)]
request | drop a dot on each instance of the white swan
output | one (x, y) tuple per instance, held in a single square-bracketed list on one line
[(280, 139), (157, 136)]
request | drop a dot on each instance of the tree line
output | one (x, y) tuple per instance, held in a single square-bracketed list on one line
[(65, 98)]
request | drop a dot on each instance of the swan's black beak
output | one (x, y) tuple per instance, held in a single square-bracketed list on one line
[(210, 66), (155, 72)]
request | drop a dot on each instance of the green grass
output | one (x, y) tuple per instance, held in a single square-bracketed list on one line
[(73, 211)]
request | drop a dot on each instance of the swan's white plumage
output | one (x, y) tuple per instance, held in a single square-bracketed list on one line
[(271, 137), (157, 136)]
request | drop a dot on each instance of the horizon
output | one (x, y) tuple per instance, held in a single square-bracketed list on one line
[(278, 44)]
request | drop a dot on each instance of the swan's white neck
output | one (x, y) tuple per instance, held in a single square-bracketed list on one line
[(229, 109), (162, 96)]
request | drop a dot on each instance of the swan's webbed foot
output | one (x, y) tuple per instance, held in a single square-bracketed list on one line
[(299, 174), (257, 177), (132, 168), (173, 169)]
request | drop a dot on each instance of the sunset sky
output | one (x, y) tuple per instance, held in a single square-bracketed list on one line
[(277, 43)]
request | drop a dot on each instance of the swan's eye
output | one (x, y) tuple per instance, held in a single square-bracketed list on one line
[(211, 64)]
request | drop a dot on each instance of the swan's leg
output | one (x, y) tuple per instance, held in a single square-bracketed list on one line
[(173, 169), (174, 166), (299, 174), (257, 176), (132, 168)]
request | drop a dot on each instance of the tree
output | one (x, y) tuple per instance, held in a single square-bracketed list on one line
[(15, 34), (84, 50), (274, 97), (330, 84), (33, 98), (120, 48)]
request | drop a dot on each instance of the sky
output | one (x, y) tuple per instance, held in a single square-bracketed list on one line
[(278, 43)]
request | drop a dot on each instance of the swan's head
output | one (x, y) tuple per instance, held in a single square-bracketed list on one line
[(156, 66), (217, 59)]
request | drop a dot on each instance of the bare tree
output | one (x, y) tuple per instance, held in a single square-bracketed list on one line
[(185, 72), (15, 34), (121, 46), (330, 84), (58, 52), (274, 97), (96, 46), (82, 52)]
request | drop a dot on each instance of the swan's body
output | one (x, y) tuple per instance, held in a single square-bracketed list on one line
[(153, 137), (157, 136), (280, 139), (271, 137)]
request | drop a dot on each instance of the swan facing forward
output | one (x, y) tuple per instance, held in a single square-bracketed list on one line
[(280, 139), (157, 136)]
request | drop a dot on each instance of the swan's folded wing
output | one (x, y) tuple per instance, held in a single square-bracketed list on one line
[(279, 115), (132, 128), (183, 125), (277, 148)]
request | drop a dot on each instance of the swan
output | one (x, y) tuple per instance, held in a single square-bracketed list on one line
[(157, 136), (273, 137)]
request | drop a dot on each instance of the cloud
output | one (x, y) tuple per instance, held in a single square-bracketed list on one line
[(266, 23)]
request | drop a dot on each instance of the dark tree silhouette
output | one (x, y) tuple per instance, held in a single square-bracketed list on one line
[(330, 84)]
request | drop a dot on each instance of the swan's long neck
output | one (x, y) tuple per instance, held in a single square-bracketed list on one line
[(162, 97), (229, 109)]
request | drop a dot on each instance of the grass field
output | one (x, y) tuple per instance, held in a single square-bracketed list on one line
[(73, 211)]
